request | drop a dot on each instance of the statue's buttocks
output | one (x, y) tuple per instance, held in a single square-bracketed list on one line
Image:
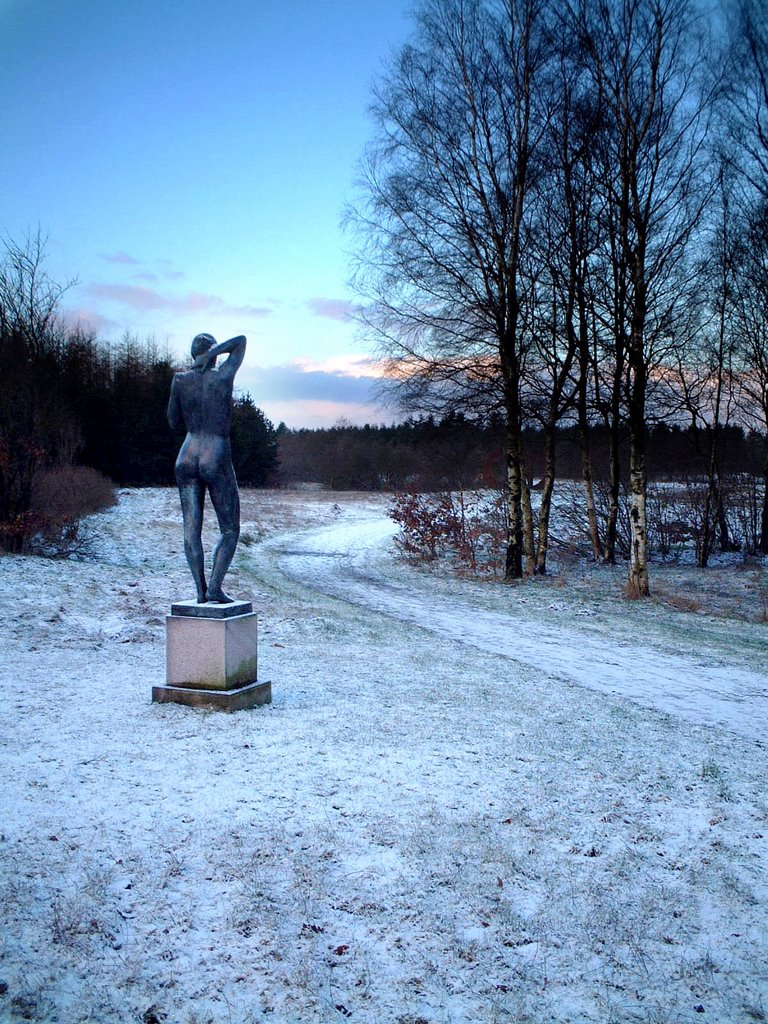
[(201, 401)]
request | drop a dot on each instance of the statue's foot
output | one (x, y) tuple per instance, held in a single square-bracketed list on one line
[(201, 598), (218, 597)]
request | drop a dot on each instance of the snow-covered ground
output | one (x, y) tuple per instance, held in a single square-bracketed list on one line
[(353, 562), (468, 802)]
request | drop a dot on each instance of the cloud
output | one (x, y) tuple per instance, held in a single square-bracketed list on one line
[(165, 266), (89, 319), (148, 299), (316, 414), (128, 295), (294, 383), (307, 397), (167, 269), (119, 257), (343, 366), (331, 309)]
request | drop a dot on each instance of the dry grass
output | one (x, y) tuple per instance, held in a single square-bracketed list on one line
[(680, 602)]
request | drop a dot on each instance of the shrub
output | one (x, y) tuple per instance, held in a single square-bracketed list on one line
[(471, 525), (427, 523), (61, 499)]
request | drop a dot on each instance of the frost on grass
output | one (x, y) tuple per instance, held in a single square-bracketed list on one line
[(415, 830)]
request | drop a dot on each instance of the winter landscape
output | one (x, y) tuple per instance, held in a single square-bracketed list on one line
[(492, 276), (468, 802)]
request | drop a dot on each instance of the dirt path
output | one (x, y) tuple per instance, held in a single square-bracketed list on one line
[(346, 561)]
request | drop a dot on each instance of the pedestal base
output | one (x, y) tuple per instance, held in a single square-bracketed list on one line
[(195, 610), (211, 657), (243, 697)]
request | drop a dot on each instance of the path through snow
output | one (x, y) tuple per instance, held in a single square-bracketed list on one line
[(348, 561)]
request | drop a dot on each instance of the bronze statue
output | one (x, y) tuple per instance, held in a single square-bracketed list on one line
[(201, 400)]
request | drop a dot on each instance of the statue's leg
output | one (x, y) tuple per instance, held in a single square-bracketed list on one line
[(192, 494), (226, 502)]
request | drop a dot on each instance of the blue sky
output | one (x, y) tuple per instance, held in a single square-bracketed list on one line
[(189, 162)]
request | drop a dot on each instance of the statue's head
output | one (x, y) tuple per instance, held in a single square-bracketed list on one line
[(201, 343)]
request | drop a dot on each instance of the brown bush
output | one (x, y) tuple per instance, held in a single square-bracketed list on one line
[(61, 499), (683, 603), (470, 524)]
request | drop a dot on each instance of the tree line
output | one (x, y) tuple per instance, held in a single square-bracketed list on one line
[(563, 219), (455, 452)]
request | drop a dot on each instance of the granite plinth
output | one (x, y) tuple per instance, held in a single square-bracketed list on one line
[(211, 657), (238, 699), (196, 610), (211, 653)]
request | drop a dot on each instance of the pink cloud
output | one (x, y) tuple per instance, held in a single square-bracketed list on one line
[(254, 311), (301, 413), (89, 319), (331, 309), (119, 257), (129, 295), (342, 366), (138, 297), (146, 276)]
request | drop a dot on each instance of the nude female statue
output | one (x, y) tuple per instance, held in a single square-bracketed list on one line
[(201, 400)]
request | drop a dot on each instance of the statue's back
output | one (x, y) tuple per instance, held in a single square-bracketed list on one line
[(206, 401)]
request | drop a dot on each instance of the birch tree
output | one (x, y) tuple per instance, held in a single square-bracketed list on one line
[(644, 59), (751, 314), (444, 215), (704, 375), (747, 151), (565, 231)]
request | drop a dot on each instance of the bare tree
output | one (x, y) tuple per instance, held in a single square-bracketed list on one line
[(704, 377), (747, 94), (644, 56), (746, 151), (36, 428), (567, 233), (751, 314), (444, 219)]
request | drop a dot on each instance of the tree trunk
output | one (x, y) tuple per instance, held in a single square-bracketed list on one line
[(722, 521), (614, 489), (586, 472), (529, 544), (711, 500), (706, 527), (714, 497), (546, 501), (638, 566), (513, 566), (764, 514), (638, 584)]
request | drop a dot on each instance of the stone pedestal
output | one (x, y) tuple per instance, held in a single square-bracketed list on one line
[(211, 657)]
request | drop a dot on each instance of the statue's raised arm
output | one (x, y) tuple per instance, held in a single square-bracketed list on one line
[(201, 400), (236, 349)]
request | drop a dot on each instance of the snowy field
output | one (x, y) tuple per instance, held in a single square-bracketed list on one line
[(467, 803)]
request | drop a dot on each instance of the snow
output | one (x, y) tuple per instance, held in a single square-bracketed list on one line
[(341, 560), (468, 802)]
